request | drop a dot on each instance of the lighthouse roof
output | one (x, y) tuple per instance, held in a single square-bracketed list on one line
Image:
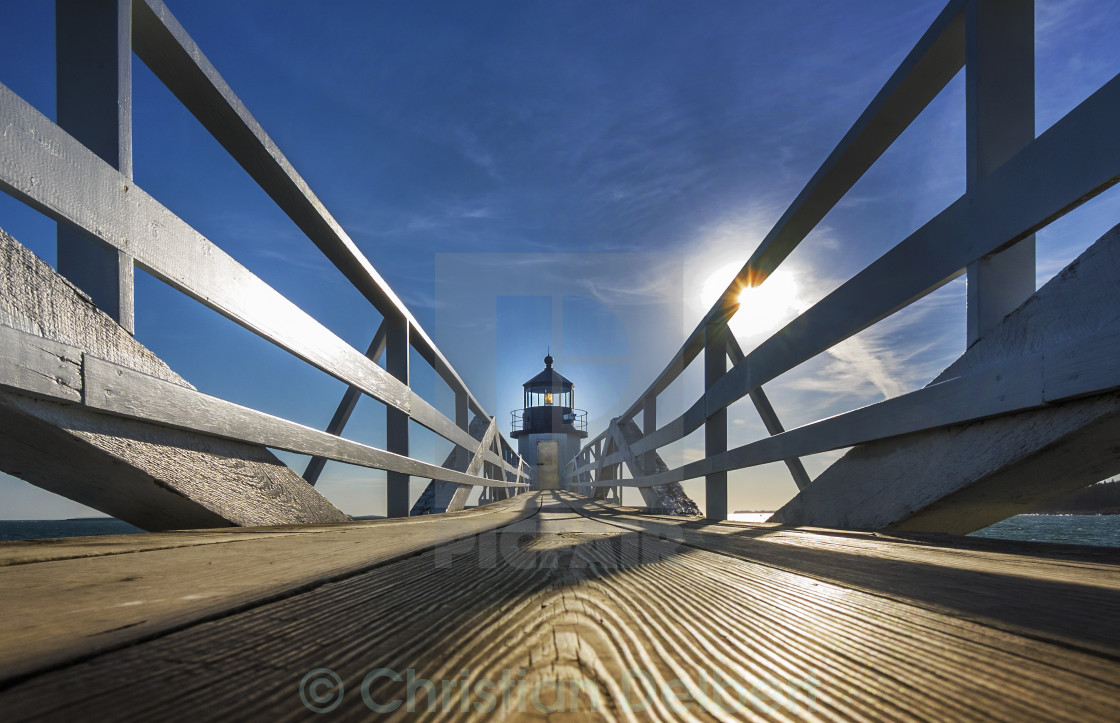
[(549, 377)]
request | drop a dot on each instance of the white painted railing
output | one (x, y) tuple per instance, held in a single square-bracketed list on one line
[(1016, 184), (78, 172)]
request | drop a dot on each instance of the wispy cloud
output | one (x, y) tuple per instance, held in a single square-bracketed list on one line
[(897, 355)]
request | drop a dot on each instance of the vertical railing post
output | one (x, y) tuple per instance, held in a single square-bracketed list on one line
[(649, 426), (462, 413), (715, 429), (999, 89), (396, 421), (93, 60)]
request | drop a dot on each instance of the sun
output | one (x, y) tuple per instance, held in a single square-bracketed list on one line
[(763, 309), (768, 307)]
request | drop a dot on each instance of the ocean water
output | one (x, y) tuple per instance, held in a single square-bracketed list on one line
[(38, 529), (1101, 530)]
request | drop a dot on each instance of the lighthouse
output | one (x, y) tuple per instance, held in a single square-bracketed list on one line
[(549, 428)]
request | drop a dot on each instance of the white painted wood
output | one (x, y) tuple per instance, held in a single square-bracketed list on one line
[(169, 51), (396, 421), (999, 120), (929, 66), (478, 467), (668, 499), (1084, 368), (39, 367), (971, 475), (46, 168), (1073, 161), (715, 426), (116, 390), (45, 369), (93, 68), (487, 442)]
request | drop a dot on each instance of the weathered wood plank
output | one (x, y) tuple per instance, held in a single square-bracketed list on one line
[(635, 626), (33, 365), (668, 499), (65, 599), (396, 421), (967, 477), (153, 477), (1080, 369), (999, 122), (439, 495), (1057, 592), (123, 392)]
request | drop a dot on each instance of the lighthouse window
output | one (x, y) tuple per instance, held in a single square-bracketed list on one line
[(548, 398)]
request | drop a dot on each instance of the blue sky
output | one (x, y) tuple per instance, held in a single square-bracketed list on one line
[(585, 175)]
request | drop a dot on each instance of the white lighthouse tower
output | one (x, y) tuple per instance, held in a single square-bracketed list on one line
[(549, 428)]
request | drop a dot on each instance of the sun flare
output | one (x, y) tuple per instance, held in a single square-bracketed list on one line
[(766, 308), (763, 309)]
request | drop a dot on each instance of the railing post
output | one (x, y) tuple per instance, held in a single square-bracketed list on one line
[(999, 88), (649, 426), (715, 428), (396, 421), (462, 413), (93, 56)]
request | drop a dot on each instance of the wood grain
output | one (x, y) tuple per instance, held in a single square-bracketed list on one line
[(638, 626), (65, 599)]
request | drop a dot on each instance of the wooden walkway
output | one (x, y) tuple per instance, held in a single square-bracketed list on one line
[(551, 606)]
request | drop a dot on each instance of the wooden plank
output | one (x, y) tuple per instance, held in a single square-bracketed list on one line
[(646, 628), (478, 466), (47, 169), (66, 599), (39, 367), (169, 51), (1084, 368), (1035, 584), (487, 441), (116, 390), (663, 499), (1073, 161)]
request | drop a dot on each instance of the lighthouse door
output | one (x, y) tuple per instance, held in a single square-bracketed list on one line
[(548, 465)]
